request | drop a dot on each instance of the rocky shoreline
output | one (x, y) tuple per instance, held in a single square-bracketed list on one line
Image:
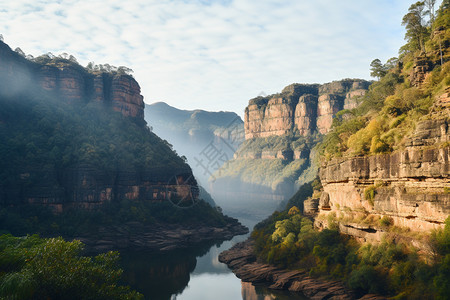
[(242, 261), (158, 237)]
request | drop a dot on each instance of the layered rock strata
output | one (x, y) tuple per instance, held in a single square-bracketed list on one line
[(86, 187), (303, 107), (409, 186), (70, 82)]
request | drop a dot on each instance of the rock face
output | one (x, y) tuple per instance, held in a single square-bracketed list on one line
[(86, 187), (409, 186), (126, 96), (421, 66), (306, 114), (242, 261), (276, 157), (72, 83), (327, 107), (303, 107)]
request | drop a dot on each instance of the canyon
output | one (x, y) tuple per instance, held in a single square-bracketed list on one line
[(278, 154), (207, 139)]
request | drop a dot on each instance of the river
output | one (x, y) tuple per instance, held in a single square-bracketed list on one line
[(193, 274)]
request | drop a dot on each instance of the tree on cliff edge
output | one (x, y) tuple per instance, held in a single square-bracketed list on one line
[(377, 69), (415, 27)]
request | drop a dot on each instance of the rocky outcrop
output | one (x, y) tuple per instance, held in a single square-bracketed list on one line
[(126, 96), (306, 114), (70, 82), (302, 107), (158, 237), (279, 129), (327, 107), (352, 98), (87, 187), (422, 65), (311, 207), (408, 186), (242, 261)]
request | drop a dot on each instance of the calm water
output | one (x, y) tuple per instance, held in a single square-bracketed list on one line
[(193, 274)]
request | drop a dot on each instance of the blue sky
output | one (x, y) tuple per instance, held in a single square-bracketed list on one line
[(213, 55)]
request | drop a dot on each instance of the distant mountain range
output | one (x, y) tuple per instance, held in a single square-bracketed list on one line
[(207, 139)]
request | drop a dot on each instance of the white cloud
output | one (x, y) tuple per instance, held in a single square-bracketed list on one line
[(213, 55)]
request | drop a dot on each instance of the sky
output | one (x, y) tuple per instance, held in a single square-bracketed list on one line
[(212, 55)]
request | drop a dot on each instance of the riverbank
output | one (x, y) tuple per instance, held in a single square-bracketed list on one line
[(159, 237), (243, 262)]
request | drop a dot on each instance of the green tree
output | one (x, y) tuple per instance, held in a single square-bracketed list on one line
[(34, 268), (377, 69), (415, 27), (391, 63)]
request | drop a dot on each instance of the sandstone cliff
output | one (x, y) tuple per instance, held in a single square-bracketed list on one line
[(409, 186), (70, 82), (85, 186), (304, 107), (70, 166), (51, 92)]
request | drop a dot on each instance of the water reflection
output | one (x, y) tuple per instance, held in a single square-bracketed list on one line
[(193, 274), (157, 276)]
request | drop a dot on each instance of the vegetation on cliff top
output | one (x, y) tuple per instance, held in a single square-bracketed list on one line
[(36, 268), (393, 105), (66, 60)]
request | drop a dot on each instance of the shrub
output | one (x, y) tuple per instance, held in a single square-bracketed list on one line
[(369, 194), (365, 280), (386, 221)]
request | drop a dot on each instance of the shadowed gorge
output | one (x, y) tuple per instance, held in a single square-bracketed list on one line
[(278, 153), (78, 160), (207, 139)]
